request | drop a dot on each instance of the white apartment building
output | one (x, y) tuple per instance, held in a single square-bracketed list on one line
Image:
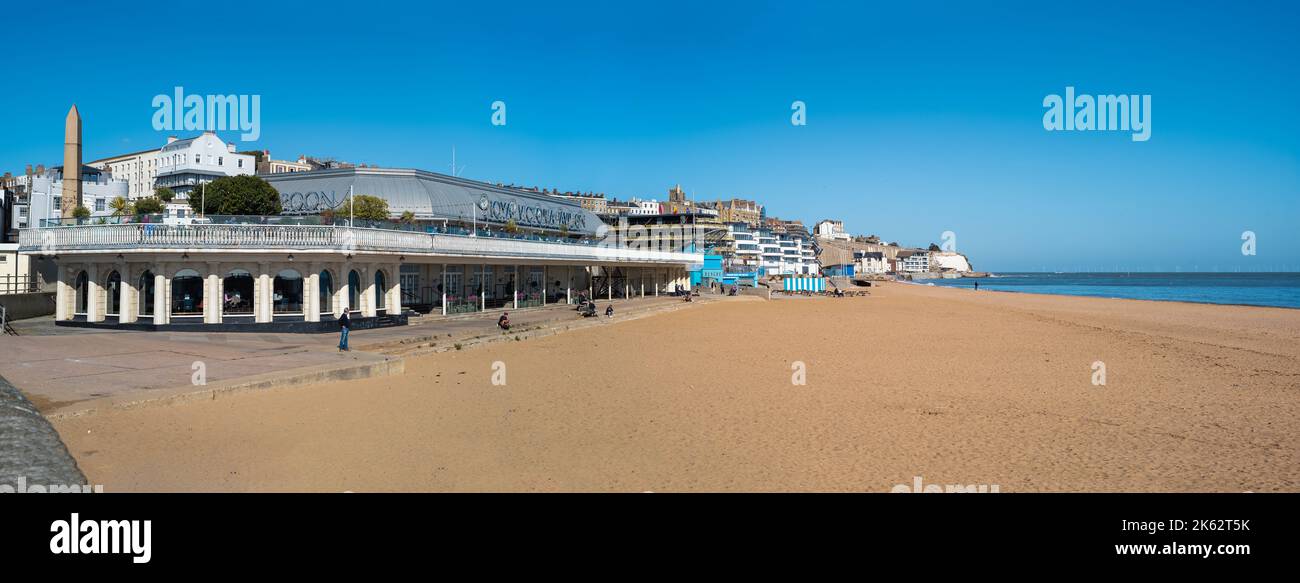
[(45, 198), (747, 254), (831, 229), (769, 251), (917, 262), (137, 169), (185, 165), (644, 207), (871, 262), (180, 165)]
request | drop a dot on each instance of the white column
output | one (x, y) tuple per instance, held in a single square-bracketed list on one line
[(212, 297), (345, 290), (128, 304), (546, 285), (161, 293), (641, 271), (262, 310), (311, 289), (482, 287), (395, 303), (515, 293), (444, 289), (62, 293), (93, 311)]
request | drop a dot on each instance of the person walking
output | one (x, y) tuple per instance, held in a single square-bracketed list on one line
[(345, 324)]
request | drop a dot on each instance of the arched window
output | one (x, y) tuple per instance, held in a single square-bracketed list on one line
[(187, 293), (286, 292), (237, 293), (146, 293), (326, 287), (83, 293), (380, 288), (113, 286), (354, 291)]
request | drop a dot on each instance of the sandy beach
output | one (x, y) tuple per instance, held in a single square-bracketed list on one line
[(949, 385)]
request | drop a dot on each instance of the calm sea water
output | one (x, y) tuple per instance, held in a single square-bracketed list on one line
[(1256, 289)]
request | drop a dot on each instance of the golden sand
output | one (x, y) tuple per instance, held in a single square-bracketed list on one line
[(949, 385)]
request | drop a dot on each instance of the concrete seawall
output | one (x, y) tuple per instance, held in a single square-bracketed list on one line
[(22, 306), (31, 452)]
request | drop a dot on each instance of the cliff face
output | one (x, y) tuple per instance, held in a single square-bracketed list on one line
[(945, 260)]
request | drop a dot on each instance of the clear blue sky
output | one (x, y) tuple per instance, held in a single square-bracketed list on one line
[(921, 119)]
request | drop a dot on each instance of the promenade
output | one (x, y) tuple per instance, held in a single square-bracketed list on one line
[(71, 371)]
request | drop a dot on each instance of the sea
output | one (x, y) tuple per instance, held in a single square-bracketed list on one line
[(1280, 290)]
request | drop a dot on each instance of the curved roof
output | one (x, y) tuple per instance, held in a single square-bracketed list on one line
[(429, 195)]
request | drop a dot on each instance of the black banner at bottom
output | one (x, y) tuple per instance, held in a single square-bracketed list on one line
[(762, 533)]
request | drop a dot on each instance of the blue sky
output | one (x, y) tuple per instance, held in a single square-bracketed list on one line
[(921, 119)]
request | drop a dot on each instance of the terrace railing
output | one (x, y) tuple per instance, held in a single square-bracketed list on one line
[(217, 237)]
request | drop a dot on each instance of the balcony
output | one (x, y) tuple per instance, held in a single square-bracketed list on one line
[(201, 238)]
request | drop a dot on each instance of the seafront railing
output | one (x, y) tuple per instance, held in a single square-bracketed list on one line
[(145, 237)]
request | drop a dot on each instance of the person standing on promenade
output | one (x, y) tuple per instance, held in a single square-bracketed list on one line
[(345, 324), (977, 286)]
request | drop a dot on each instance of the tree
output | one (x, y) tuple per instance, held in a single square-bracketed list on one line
[(512, 227), (327, 216), (164, 194), (372, 208), (81, 213), (934, 247), (408, 217), (236, 195), (148, 206), (120, 206)]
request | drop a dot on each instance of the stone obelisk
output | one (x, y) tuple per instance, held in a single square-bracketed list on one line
[(71, 163)]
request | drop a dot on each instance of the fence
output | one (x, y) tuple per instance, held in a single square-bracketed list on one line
[(21, 284)]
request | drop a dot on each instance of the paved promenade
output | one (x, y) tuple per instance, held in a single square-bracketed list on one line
[(69, 370)]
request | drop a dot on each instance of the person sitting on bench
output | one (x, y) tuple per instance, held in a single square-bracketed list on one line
[(504, 321)]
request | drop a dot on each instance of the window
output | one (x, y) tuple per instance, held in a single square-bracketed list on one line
[(287, 292), (237, 292), (354, 291), (241, 163), (99, 205), (221, 161), (113, 287), (198, 159), (187, 293), (82, 294), (326, 287), (146, 293), (380, 289)]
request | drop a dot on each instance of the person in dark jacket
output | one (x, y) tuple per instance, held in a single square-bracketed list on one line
[(345, 324)]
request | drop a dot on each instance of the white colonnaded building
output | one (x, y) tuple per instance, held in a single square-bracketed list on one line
[(470, 246)]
